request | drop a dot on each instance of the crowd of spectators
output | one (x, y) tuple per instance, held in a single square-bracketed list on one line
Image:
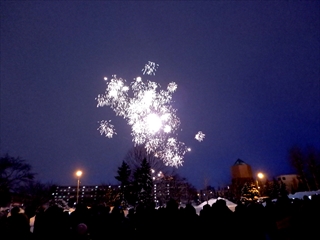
[(284, 219)]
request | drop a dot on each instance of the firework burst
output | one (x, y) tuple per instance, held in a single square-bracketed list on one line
[(199, 136), (147, 109)]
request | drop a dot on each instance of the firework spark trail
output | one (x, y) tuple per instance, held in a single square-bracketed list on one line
[(150, 68), (150, 114), (107, 129)]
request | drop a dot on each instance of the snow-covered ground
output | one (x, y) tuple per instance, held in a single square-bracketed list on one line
[(230, 204), (300, 195)]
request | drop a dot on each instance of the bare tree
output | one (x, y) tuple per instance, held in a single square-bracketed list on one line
[(206, 185), (14, 174), (313, 164), (135, 156), (298, 162), (36, 193), (180, 189)]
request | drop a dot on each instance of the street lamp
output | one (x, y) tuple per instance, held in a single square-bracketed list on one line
[(260, 176), (78, 173)]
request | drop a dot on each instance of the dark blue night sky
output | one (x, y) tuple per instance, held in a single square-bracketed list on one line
[(247, 73)]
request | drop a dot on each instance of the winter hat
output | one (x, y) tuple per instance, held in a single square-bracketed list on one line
[(82, 229)]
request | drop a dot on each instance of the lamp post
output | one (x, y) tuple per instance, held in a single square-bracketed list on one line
[(78, 173), (260, 176)]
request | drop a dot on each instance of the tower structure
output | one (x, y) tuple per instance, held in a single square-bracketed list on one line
[(241, 170), (241, 173)]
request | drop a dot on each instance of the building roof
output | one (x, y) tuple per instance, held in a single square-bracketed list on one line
[(240, 162)]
